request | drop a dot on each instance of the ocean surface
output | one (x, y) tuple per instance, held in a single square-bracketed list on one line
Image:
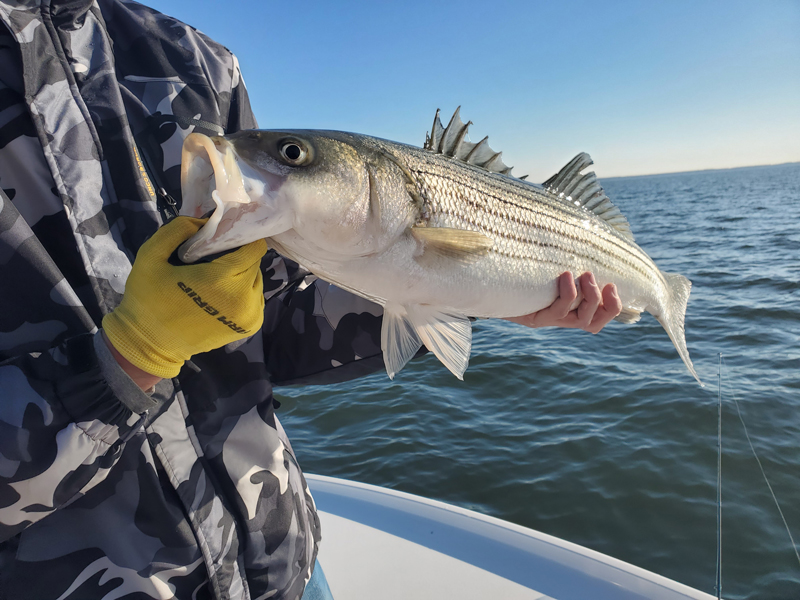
[(606, 440)]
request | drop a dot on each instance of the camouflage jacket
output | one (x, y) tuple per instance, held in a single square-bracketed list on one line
[(105, 491)]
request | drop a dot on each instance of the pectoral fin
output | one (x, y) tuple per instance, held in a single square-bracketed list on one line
[(460, 245)]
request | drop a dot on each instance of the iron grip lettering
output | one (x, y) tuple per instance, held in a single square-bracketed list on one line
[(210, 309)]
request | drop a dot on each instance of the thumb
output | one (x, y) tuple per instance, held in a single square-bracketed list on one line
[(243, 258), (164, 242)]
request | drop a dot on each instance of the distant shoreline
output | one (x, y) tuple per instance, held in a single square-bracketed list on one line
[(698, 171)]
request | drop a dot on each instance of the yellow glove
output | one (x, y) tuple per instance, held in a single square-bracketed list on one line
[(170, 313)]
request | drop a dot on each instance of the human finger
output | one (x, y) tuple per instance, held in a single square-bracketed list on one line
[(592, 299), (610, 308), (560, 308), (171, 235), (243, 257)]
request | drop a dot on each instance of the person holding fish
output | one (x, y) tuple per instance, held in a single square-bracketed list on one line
[(140, 453)]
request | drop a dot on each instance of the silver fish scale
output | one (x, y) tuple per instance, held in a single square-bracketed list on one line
[(530, 226)]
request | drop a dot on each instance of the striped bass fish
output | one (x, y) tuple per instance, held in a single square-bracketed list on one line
[(435, 235)]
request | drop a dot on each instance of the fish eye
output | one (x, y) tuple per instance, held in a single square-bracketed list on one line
[(293, 152)]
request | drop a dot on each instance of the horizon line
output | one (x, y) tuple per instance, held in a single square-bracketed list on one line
[(791, 162)]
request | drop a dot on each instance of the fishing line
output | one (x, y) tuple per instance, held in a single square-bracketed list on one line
[(760, 466), (718, 586)]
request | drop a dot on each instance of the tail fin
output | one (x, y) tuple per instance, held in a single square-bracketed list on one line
[(672, 319)]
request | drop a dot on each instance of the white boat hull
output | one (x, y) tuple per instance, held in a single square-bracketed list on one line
[(384, 544)]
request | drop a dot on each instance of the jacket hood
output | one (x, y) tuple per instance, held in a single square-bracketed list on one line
[(67, 14)]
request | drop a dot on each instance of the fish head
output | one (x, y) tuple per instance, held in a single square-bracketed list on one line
[(327, 189)]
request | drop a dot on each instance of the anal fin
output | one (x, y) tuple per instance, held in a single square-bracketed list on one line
[(629, 316)]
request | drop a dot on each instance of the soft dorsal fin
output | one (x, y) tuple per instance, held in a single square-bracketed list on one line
[(584, 190), (451, 141)]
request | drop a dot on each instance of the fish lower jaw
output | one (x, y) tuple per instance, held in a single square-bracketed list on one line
[(213, 185)]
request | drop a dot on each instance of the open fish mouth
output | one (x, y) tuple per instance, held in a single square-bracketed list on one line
[(214, 181)]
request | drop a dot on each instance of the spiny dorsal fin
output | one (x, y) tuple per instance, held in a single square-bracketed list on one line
[(584, 190), (451, 141)]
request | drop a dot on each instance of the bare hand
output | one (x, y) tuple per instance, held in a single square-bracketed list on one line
[(593, 313)]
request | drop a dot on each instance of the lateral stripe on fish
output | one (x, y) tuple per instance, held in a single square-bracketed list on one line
[(638, 260)]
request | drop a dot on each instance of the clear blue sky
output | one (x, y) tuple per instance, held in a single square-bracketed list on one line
[(644, 87)]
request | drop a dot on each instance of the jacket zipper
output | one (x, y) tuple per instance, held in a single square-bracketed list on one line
[(167, 206), (170, 211)]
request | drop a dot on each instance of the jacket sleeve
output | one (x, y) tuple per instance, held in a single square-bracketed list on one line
[(64, 417), (66, 406), (315, 332)]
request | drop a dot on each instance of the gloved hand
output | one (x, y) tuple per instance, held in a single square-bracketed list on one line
[(170, 313)]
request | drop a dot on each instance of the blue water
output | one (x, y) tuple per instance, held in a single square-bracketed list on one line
[(606, 440)]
